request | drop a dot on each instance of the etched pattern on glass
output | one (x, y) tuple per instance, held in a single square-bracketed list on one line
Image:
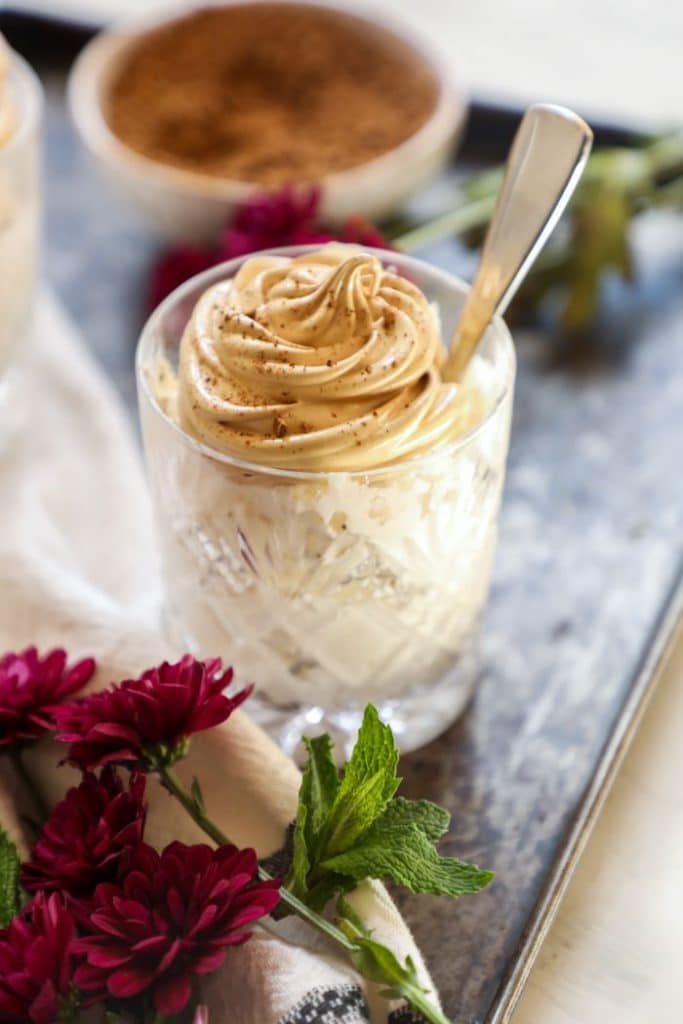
[(288, 577)]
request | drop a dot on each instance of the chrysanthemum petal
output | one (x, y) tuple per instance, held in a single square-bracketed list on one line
[(181, 921), (173, 994), (142, 718)]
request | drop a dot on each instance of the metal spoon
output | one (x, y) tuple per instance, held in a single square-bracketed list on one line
[(547, 158)]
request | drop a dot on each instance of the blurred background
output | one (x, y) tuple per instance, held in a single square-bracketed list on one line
[(615, 63), (608, 58)]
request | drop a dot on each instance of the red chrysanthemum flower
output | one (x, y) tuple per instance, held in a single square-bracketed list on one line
[(85, 838), (31, 686), (272, 219), (264, 221), (171, 918), (148, 720), (267, 220), (36, 962)]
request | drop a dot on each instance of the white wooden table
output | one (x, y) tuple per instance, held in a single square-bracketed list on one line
[(615, 952)]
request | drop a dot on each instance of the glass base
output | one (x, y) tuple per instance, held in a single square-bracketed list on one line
[(415, 720)]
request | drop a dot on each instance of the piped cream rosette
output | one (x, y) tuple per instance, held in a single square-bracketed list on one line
[(326, 362)]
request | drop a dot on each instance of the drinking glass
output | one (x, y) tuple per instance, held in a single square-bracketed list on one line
[(331, 590), (19, 208)]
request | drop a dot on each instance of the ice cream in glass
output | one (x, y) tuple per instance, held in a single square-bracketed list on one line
[(326, 501)]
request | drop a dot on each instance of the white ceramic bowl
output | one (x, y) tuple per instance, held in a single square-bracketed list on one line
[(188, 205)]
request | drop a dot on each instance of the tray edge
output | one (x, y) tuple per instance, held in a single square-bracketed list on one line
[(667, 629)]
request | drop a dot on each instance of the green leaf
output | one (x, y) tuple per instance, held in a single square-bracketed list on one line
[(297, 880), (374, 751), (355, 829), (373, 960), (10, 901), (321, 781), (356, 812), (429, 818), (368, 785), (404, 854), (377, 963), (319, 786), (329, 886)]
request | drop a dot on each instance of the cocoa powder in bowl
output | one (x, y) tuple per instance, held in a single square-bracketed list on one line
[(269, 93)]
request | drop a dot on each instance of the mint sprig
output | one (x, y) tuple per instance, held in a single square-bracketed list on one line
[(353, 827), (10, 898)]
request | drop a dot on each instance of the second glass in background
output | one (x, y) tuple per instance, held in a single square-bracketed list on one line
[(20, 113)]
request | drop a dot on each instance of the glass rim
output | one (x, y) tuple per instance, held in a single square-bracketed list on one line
[(212, 274), (30, 90)]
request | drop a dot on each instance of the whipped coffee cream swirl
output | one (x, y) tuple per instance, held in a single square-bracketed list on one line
[(324, 362)]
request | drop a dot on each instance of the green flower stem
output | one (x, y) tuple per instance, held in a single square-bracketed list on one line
[(173, 785), (29, 784), (654, 176), (473, 214)]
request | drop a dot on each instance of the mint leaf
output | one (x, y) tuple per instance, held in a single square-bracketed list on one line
[(429, 818), (356, 828), (368, 785), (374, 751), (321, 780), (356, 812), (404, 854), (10, 902), (319, 786), (324, 890), (297, 879)]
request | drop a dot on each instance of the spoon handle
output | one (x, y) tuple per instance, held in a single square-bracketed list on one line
[(548, 155)]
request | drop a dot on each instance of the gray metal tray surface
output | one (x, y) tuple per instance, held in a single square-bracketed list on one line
[(586, 585)]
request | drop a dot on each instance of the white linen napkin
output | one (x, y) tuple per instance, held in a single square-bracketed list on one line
[(78, 570)]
